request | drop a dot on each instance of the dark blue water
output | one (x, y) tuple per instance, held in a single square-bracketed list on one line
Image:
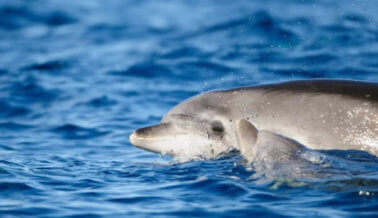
[(77, 77)]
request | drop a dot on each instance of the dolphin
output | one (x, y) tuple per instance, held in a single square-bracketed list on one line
[(274, 156), (264, 146), (318, 114)]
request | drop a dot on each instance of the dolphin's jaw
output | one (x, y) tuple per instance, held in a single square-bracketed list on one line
[(156, 144), (182, 146)]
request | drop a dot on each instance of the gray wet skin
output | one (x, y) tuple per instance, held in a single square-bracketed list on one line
[(319, 114)]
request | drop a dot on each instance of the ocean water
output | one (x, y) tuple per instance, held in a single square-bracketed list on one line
[(77, 77)]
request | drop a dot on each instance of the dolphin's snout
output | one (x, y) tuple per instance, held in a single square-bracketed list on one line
[(139, 136), (149, 138), (153, 131), (132, 138)]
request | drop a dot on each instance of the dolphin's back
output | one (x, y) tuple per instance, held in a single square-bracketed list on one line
[(356, 89)]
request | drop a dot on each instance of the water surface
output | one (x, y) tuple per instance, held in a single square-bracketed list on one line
[(77, 77)]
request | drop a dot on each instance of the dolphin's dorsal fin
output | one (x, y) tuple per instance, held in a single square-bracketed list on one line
[(246, 134)]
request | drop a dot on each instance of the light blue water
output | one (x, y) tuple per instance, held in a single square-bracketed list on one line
[(77, 77)]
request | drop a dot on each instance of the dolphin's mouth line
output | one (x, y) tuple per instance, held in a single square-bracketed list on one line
[(167, 136), (158, 137)]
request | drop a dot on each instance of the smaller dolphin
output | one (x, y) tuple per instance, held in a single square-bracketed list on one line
[(263, 145), (273, 156)]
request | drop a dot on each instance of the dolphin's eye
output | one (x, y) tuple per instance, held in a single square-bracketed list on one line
[(217, 127)]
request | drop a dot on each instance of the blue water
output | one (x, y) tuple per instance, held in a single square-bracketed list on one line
[(77, 77)]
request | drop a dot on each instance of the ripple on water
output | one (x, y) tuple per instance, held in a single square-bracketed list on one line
[(9, 110), (23, 16), (14, 187), (50, 66), (139, 199), (29, 91), (12, 126), (257, 27), (72, 131), (184, 52), (102, 101), (145, 69), (3, 172)]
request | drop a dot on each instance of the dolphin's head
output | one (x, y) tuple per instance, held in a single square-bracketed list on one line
[(198, 127)]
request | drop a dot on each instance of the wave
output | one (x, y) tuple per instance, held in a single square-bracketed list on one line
[(22, 16), (72, 131)]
